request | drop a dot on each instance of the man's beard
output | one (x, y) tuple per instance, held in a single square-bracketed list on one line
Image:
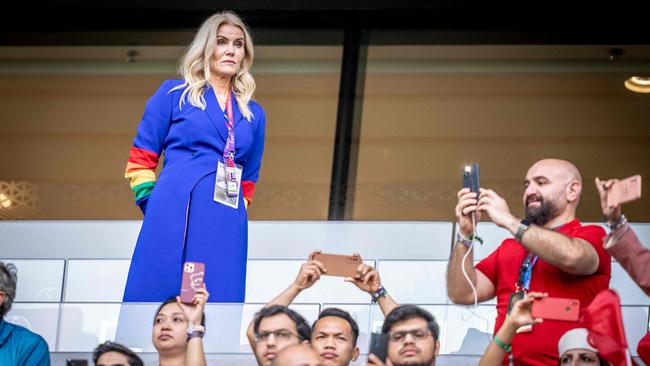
[(540, 215), (429, 363)]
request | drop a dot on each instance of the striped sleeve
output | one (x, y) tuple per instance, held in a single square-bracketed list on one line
[(141, 171)]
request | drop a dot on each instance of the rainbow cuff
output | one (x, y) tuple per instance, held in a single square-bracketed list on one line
[(141, 171)]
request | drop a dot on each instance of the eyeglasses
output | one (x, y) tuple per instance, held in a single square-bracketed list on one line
[(281, 335), (417, 334)]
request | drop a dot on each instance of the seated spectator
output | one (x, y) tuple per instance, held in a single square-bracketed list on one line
[(18, 345), (622, 243), (413, 338), (334, 335), (573, 347), (297, 355), (115, 354), (178, 331), (274, 328)]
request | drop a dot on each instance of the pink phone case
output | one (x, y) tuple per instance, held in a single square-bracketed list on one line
[(625, 190), (193, 273), (556, 308)]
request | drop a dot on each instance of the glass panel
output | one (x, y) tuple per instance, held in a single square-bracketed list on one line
[(42, 319), (627, 289), (100, 280), (635, 321), (226, 325), (415, 282), (428, 110), (84, 326), (40, 280), (463, 330), (260, 287), (73, 112), (374, 240)]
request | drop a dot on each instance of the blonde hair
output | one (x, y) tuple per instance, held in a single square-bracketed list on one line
[(195, 69)]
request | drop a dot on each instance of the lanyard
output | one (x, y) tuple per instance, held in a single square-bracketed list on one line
[(525, 272), (229, 150)]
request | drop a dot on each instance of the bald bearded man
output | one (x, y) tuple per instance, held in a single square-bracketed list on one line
[(551, 252), (297, 355)]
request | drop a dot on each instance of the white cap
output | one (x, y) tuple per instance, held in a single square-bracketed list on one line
[(574, 339)]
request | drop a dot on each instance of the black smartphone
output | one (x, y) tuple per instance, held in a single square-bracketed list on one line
[(471, 180), (76, 362), (379, 345)]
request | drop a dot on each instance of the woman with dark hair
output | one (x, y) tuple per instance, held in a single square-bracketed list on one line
[(178, 330)]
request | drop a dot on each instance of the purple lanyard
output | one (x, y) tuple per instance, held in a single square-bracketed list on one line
[(229, 150)]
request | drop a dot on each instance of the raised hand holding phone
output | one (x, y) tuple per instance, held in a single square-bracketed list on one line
[(338, 265), (192, 280), (466, 209)]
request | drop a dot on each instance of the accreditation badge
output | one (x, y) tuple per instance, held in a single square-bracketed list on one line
[(227, 185)]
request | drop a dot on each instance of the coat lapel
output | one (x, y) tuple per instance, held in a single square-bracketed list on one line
[(236, 113), (215, 113)]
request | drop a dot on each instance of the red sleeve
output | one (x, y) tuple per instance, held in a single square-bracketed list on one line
[(488, 266), (594, 235)]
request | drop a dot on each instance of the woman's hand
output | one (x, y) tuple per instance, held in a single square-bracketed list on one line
[(520, 314), (194, 312)]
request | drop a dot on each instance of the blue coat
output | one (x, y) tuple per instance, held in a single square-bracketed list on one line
[(21, 347), (182, 222)]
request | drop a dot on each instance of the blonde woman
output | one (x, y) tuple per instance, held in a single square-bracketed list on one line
[(212, 135)]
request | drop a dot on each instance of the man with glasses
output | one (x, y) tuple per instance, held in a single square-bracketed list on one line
[(274, 328), (413, 338)]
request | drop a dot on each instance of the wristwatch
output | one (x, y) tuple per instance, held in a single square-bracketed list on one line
[(381, 292), (523, 226)]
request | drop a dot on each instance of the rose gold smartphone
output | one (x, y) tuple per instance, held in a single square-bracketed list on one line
[(625, 190), (339, 265), (193, 273), (556, 308)]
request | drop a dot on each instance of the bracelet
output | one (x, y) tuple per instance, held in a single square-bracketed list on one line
[(460, 238), (622, 220), (503, 346), (381, 292), (195, 334)]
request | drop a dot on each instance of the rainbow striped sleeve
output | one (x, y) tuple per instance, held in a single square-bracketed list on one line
[(141, 170)]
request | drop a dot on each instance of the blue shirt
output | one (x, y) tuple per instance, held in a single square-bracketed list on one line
[(21, 347)]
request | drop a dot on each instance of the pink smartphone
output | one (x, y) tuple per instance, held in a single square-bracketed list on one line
[(556, 308), (625, 190), (339, 265), (193, 273)]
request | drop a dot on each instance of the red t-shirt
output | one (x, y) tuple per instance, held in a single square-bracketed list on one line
[(539, 347)]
